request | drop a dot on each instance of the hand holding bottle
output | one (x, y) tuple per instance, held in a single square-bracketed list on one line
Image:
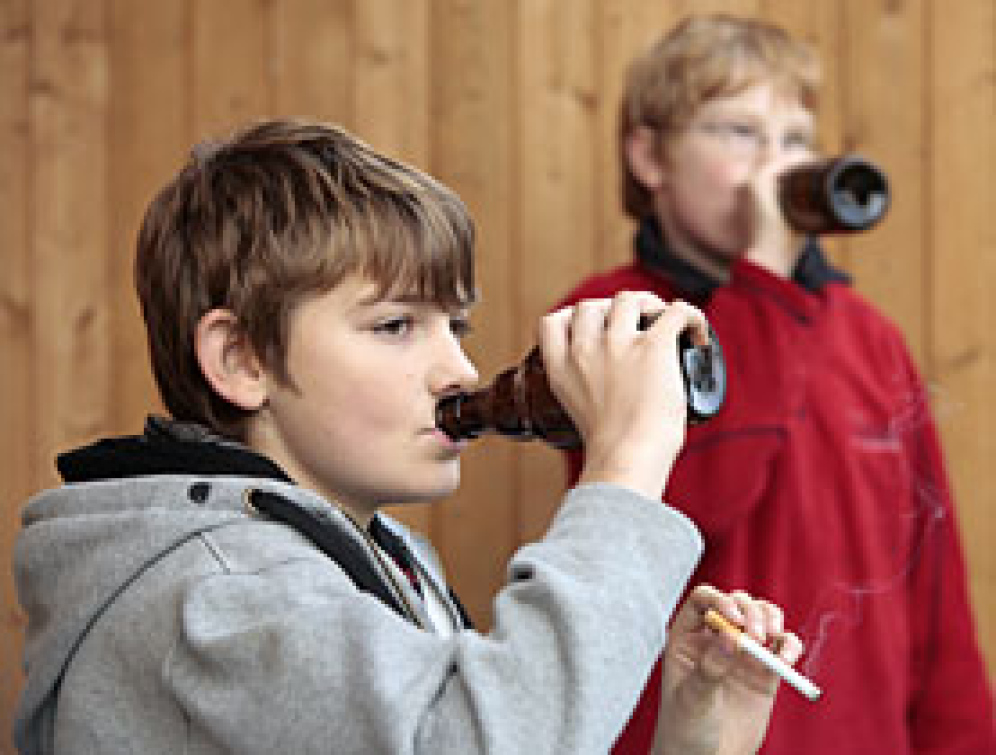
[(622, 386), (774, 244), (804, 195)]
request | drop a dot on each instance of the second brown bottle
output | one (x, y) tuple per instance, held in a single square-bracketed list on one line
[(520, 404), (834, 195)]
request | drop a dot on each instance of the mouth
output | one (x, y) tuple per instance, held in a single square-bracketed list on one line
[(445, 440)]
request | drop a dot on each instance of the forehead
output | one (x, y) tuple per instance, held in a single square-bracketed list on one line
[(764, 100)]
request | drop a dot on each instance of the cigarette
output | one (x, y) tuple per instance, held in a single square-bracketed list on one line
[(768, 659)]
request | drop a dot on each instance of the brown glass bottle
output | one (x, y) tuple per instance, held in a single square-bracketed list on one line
[(835, 195), (520, 404)]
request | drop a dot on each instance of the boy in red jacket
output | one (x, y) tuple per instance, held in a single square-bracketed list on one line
[(821, 482)]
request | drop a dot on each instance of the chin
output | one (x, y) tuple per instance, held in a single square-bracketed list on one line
[(450, 483), (443, 486)]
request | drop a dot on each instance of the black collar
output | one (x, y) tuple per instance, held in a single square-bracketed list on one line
[(812, 271), (170, 447), (165, 447)]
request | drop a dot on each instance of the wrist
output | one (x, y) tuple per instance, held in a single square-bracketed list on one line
[(645, 476)]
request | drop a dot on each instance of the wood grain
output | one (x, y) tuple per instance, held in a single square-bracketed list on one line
[(512, 103), (17, 396)]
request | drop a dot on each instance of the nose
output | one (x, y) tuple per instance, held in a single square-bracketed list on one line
[(453, 371), (775, 157), (769, 149)]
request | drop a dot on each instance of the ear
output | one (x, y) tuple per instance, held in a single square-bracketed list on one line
[(228, 361), (644, 159)]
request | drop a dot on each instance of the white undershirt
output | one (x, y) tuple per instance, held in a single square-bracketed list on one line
[(439, 613), (442, 619)]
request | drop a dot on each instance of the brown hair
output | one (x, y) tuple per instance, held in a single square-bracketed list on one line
[(702, 58), (280, 212)]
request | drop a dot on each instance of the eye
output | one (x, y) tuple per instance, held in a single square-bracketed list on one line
[(460, 327), (734, 132), (395, 326), (798, 140), (744, 133)]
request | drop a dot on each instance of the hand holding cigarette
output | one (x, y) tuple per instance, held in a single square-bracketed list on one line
[(719, 680)]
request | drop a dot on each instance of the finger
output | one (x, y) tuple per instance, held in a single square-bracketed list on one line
[(622, 320), (770, 625), (697, 325), (772, 618), (764, 621), (754, 615), (788, 647), (762, 186), (588, 324), (701, 599), (678, 317), (552, 335)]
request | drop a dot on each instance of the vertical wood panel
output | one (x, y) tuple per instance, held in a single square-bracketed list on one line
[(555, 121), (16, 396), (149, 143), (884, 78), (962, 271), (68, 106), (313, 53), (231, 78), (66, 191), (390, 91), (681, 8), (625, 30), (476, 530)]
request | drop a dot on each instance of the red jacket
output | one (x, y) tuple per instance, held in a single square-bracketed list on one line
[(820, 486)]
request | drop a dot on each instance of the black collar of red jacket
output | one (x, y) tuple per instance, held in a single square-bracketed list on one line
[(812, 272)]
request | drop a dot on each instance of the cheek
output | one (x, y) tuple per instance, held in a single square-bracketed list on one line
[(710, 202), (365, 409), (708, 194), (721, 180)]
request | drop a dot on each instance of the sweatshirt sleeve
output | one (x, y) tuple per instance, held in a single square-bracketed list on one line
[(294, 659)]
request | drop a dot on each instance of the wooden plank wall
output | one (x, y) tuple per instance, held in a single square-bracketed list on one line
[(512, 102)]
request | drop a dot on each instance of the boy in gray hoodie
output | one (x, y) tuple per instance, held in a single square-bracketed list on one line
[(224, 581)]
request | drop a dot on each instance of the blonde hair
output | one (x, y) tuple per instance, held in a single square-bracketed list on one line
[(702, 58)]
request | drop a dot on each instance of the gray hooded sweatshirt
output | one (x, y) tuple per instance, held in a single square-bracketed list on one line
[(167, 617)]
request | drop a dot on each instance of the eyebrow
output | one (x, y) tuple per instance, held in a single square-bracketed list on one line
[(808, 126), (377, 297), (410, 299)]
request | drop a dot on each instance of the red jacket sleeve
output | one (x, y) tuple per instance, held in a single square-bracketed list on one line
[(951, 708)]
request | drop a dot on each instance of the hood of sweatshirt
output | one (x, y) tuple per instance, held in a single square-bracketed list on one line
[(127, 503)]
